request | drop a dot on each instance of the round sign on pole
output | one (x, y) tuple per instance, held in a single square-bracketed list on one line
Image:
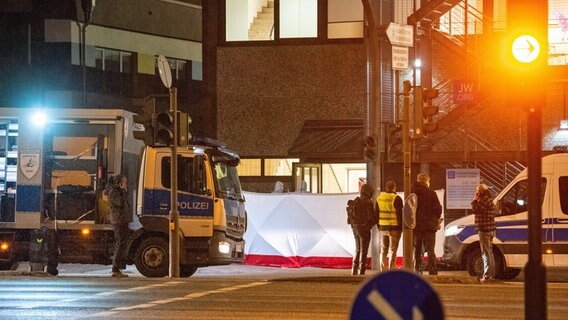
[(165, 71), (525, 48), (397, 294)]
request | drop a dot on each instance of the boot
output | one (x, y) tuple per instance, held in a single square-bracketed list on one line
[(355, 268), (362, 269), (354, 271)]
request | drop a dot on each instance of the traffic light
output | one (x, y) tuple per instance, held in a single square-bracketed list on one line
[(424, 109), (143, 127), (525, 51), (394, 142), (184, 136), (370, 147), (429, 110), (417, 95), (163, 123)]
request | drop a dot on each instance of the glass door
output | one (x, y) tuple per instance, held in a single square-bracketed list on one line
[(307, 177)]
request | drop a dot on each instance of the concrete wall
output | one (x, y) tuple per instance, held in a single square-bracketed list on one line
[(266, 93)]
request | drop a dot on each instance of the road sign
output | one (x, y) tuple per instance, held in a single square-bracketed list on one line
[(397, 295), (165, 71), (399, 58), (400, 34), (525, 48)]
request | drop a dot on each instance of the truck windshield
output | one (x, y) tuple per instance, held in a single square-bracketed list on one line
[(227, 181)]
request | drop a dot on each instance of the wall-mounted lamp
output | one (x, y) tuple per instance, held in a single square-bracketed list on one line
[(564, 124), (418, 63)]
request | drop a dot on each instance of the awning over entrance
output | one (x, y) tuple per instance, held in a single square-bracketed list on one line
[(330, 140)]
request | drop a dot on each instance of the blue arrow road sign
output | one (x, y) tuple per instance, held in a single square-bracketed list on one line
[(397, 295)]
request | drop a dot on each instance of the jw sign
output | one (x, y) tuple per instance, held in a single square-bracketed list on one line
[(464, 91)]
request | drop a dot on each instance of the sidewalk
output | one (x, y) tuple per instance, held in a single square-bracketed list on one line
[(239, 270)]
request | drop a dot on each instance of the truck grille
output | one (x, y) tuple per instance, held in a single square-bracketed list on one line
[(236, 227)]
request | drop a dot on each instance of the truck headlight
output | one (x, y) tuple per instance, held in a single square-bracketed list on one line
[(224, 247), (453, 230)]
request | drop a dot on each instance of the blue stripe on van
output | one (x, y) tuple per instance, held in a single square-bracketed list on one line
[(553, 229)]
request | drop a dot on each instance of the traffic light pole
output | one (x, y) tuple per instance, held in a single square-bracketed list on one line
[(407, 239), (174, 214)]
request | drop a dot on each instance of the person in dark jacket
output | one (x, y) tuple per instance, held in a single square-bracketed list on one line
[(362, 219), (120, 217), (483, 209), (390, 224), (428, 213)]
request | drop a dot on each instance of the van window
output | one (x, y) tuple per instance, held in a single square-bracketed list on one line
[(185, 175), (563, 189), (516, 199)]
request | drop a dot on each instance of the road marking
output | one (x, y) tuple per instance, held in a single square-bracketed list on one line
[(190, 296)]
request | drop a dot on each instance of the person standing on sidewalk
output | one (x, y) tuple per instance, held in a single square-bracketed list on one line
[(390, 224), (484, 211), (428, 214), (120, 217), (362, 216)]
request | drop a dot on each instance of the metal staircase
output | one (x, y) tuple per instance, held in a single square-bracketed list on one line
[(447, 20)]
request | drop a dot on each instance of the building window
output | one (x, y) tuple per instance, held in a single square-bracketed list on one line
[(278, 167), (344, 19), (266, 167), (113, 60), (298, 18), (250, 167)]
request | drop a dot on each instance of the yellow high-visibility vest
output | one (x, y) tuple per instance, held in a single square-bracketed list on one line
[(387, 215)]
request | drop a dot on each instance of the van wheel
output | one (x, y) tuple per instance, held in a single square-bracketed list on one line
[(474, 263), (152, 258), (187, 271)]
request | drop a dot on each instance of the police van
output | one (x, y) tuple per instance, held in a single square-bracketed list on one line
[(461, 244), (53, 208)]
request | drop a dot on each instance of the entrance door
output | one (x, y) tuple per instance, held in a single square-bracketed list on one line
[(307, 177)]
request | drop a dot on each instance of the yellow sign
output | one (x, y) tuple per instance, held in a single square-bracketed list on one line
[(525, 49)]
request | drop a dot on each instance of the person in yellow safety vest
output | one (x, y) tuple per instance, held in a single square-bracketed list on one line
[(390, 224)]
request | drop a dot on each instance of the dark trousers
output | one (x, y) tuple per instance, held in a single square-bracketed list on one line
[(425, 241), (120, 240), (362, 236)]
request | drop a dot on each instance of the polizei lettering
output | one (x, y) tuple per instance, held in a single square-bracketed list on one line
[(196, 205)]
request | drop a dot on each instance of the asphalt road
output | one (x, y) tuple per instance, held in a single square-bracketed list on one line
[(243, 292)]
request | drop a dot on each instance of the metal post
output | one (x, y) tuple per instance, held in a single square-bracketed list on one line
[(174, 214), (84, 61), (407, 239), (535, 271), (372, 124)]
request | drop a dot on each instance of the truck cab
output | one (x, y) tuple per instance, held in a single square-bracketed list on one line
[(212, 215)]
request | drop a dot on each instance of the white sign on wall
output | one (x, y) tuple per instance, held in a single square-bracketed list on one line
[(461, 185)]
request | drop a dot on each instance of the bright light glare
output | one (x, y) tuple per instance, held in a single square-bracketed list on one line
[(39, 118), (4, 246), (418, 63), (224, 247), (453, 230), (85, 231)]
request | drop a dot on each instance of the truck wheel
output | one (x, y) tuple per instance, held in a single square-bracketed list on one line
[(187, 271), (474, 263), (152, 258)]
